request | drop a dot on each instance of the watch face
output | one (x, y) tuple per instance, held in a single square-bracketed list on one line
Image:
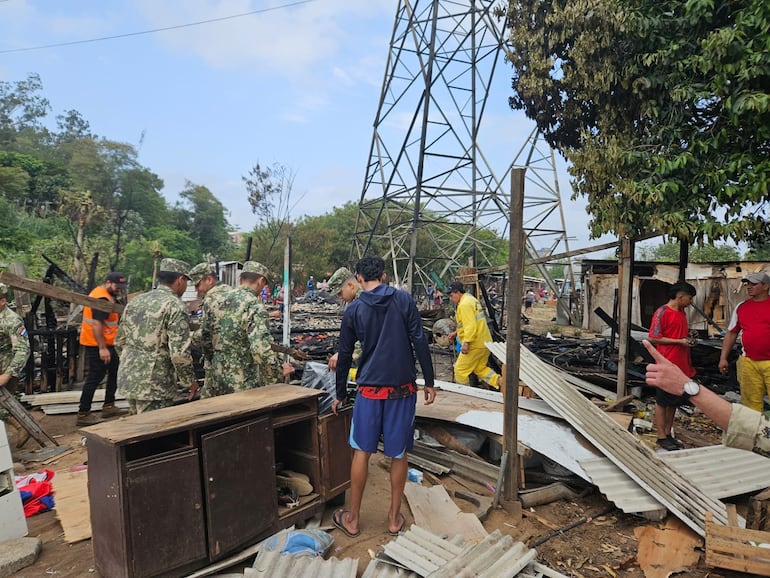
[(691, 388)]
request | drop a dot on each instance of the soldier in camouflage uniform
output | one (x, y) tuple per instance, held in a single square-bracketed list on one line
[(344, 285), (14, 343), (153, 342), (236, 338)]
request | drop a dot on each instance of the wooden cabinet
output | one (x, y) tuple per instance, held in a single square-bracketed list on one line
[(175, 489)]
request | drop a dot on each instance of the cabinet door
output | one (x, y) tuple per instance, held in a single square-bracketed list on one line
[(336, 453), (239, 482), (165, 513)]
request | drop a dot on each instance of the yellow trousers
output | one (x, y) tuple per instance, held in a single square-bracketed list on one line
[(754, 378), (475, 361)]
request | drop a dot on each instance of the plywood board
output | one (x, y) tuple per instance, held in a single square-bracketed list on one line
[(435, 511), (668, 550), (72, 507)]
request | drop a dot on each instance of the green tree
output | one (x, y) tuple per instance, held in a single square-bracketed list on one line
[(669, 253), (204, 219), (661, 106)]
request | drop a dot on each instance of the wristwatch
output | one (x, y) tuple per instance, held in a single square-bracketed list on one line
[(691, 388)]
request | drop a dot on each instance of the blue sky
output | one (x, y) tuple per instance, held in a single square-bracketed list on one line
[(297, 85)]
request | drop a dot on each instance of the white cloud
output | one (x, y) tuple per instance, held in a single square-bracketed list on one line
[(290, 41)]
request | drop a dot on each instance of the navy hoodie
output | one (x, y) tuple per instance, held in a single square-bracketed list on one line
[(386, 322)]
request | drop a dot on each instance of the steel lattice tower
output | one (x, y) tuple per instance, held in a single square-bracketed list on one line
[(430, 195)]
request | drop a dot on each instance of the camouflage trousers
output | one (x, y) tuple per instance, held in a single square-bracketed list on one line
[(136, 406)]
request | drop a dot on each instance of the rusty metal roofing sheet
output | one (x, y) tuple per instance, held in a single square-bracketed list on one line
[(714, 467), (681, 495)]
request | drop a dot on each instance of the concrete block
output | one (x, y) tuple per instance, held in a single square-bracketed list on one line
[(17, 554)]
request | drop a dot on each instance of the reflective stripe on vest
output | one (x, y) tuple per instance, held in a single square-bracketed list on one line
[(109, 325)]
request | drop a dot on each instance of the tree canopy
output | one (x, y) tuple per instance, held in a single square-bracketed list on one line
[(661, 107)]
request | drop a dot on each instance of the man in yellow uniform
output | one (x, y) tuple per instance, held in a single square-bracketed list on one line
[(473, 333)]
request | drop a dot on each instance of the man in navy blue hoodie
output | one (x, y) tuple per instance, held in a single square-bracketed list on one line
[(387, 324)]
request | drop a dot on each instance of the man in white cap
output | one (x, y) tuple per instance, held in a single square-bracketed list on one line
[(752, 320)]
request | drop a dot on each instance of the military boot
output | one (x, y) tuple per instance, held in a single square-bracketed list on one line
[(110, 410), (86, 418)]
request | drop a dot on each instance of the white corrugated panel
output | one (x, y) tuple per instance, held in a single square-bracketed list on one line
[(681, 495), (714, 468), (277, 565)]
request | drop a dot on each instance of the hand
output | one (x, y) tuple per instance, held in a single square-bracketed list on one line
[(4, 379), (430, 394), (723, 364), (336, 404), (664, 374), (465, 347), (287, 368), (333, 362), (274, 314), (104, 355), (193, 390)]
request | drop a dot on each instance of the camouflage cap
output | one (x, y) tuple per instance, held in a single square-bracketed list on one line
[(175, 266), (200, 271), (3, 289), (254, 267), (338, 278)]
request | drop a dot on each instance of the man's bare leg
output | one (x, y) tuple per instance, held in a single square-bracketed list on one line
[(398, 471), (359, 470)]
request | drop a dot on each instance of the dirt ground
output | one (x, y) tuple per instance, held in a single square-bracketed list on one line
[(602, 545)]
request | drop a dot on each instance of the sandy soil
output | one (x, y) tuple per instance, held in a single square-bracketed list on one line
[(602, 546)]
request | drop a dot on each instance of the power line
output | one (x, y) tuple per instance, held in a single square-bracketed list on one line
[(143, 32)]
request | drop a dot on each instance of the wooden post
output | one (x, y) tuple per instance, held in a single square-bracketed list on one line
[(510, 387), (625, 290)]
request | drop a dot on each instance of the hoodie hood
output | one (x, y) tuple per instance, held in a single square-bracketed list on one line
[(379, 297)]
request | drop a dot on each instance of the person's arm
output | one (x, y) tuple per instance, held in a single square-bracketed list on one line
[(422, 351), (178, 331), (466, 318), (344, 358), (668, 377), (20, 349), (727, 346), (98, 320)]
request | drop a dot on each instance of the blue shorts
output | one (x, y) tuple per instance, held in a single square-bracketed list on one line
[(393, 419)]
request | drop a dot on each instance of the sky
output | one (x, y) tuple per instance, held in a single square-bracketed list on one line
[(295, 83)]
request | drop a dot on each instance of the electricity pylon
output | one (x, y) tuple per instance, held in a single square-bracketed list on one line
[(431, 195)]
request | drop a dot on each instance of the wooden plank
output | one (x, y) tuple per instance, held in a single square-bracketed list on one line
[(58, 293), (72, 507), (65, 408), (731, 548), (38, 399), (435, 511), (198, 413)]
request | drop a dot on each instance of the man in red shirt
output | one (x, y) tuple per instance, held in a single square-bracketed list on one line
[(752, 317), (670, 333)]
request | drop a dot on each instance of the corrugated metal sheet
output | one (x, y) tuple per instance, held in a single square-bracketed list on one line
[(425, 554), (681, 495), (713, 467), (275, 565)]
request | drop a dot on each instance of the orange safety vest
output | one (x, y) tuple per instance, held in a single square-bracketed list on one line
[(110, 326)]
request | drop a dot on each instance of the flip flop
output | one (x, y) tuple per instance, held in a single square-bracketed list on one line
[(337, 520), (400, 528)]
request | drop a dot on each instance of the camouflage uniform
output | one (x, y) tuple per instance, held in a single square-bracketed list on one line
[(14, 343), (219, 299), (236, 338), (748, 429), (153, 342)]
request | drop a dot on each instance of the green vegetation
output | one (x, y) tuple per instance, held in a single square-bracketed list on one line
[(661, 106)]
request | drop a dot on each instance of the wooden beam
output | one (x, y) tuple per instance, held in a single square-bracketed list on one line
[(58, 293)]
